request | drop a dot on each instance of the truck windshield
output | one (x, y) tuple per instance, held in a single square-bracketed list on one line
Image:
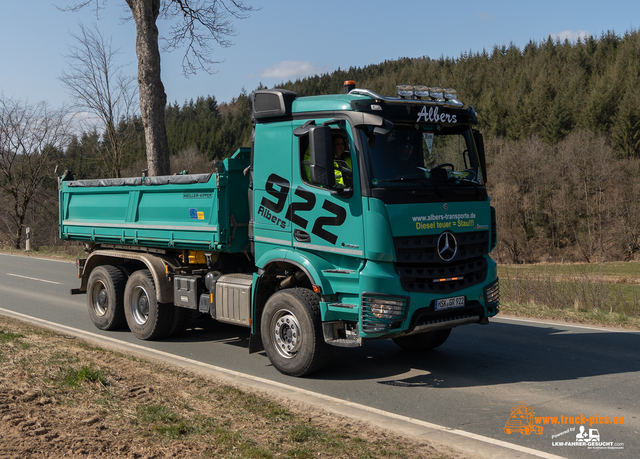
[(422, 155)]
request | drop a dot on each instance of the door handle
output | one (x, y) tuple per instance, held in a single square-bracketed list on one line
[(301, 236)]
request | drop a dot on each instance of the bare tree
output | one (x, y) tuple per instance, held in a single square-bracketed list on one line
[(196, 24), (190, 160), (100, 86), (30, 137)]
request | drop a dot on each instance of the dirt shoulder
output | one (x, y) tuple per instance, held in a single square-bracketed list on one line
[(62, 397)]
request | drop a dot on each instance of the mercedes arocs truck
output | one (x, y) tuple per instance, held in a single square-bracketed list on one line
[(311, 251)]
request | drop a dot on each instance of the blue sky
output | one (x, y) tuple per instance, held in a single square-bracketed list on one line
[(289, 39)]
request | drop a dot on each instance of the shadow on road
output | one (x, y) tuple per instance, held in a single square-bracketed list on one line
[(497, 354), (500, 353)]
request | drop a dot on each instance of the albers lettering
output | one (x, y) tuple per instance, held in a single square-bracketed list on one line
[(272, 218), (432, 115)]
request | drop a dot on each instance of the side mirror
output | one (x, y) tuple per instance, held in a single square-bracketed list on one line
[(385, 129), (477, 137), (321, 156)]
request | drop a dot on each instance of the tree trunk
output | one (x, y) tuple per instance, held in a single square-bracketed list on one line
[(19, 218), (152, 96)]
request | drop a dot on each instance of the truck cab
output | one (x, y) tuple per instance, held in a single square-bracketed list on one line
[(399, 248)]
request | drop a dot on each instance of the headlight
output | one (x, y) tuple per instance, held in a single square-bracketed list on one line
[(386, 309), (436, 92), (404, 90), (492, 294), (380, 312), (450, 94), (421, 91)]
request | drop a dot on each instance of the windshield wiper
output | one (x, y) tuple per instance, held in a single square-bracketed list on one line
[(467, 182), (427, 183), (402, 179)]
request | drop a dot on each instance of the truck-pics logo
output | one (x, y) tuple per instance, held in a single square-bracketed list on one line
[(522, 421), (279, 188)]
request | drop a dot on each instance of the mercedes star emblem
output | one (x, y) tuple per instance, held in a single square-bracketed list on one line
[(447, 246)]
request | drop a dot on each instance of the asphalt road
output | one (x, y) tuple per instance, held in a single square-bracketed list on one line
[(578, 375)]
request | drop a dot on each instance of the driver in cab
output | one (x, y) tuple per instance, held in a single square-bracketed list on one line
[(342, 165)]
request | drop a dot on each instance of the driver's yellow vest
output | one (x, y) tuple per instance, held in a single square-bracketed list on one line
[(336, 168)]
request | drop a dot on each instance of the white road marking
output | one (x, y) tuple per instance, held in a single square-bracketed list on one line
[(37, 258), (35, 279), (562, 324), (237, 374)]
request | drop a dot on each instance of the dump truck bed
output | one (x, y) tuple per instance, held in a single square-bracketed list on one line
[(190, 212)]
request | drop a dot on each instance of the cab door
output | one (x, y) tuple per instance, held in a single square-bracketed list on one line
[(272, 186), (327, 220)]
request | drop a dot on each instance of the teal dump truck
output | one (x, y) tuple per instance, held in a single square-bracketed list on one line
[(387, 237)]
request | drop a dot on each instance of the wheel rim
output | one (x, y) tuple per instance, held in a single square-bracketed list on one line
[(99, 298), (140, 305), (287, 338)]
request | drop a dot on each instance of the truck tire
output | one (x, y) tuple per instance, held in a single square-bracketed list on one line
[(292, 332), (147, 318), (181, 319), (105, 297), (423, 341)]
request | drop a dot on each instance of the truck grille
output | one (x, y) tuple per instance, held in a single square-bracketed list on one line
[(421, 269)]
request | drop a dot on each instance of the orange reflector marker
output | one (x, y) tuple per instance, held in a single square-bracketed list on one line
[(317, 288), (211, 298), (448, 279)]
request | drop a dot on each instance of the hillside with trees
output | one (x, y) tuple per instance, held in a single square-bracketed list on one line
[(562, 130)]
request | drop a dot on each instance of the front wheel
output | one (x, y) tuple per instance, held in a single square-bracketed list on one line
[(292, 332), (423, 341), (146, 318)]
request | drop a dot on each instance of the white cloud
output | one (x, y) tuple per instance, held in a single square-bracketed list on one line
[(571, 35), (286, 70)]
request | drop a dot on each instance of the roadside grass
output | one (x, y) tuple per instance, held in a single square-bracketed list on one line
[(620, 272), (604, 294), (124, 406), (66, 252), (6, 337), (75, 377)]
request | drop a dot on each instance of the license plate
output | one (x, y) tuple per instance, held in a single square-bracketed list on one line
[(446, 303)]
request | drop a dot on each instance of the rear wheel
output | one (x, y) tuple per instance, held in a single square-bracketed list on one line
[(423, 341), (292, 332), (105, 297), (181, 319), (146, 318)]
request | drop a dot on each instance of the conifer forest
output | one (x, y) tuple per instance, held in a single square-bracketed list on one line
[(561, 123)]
